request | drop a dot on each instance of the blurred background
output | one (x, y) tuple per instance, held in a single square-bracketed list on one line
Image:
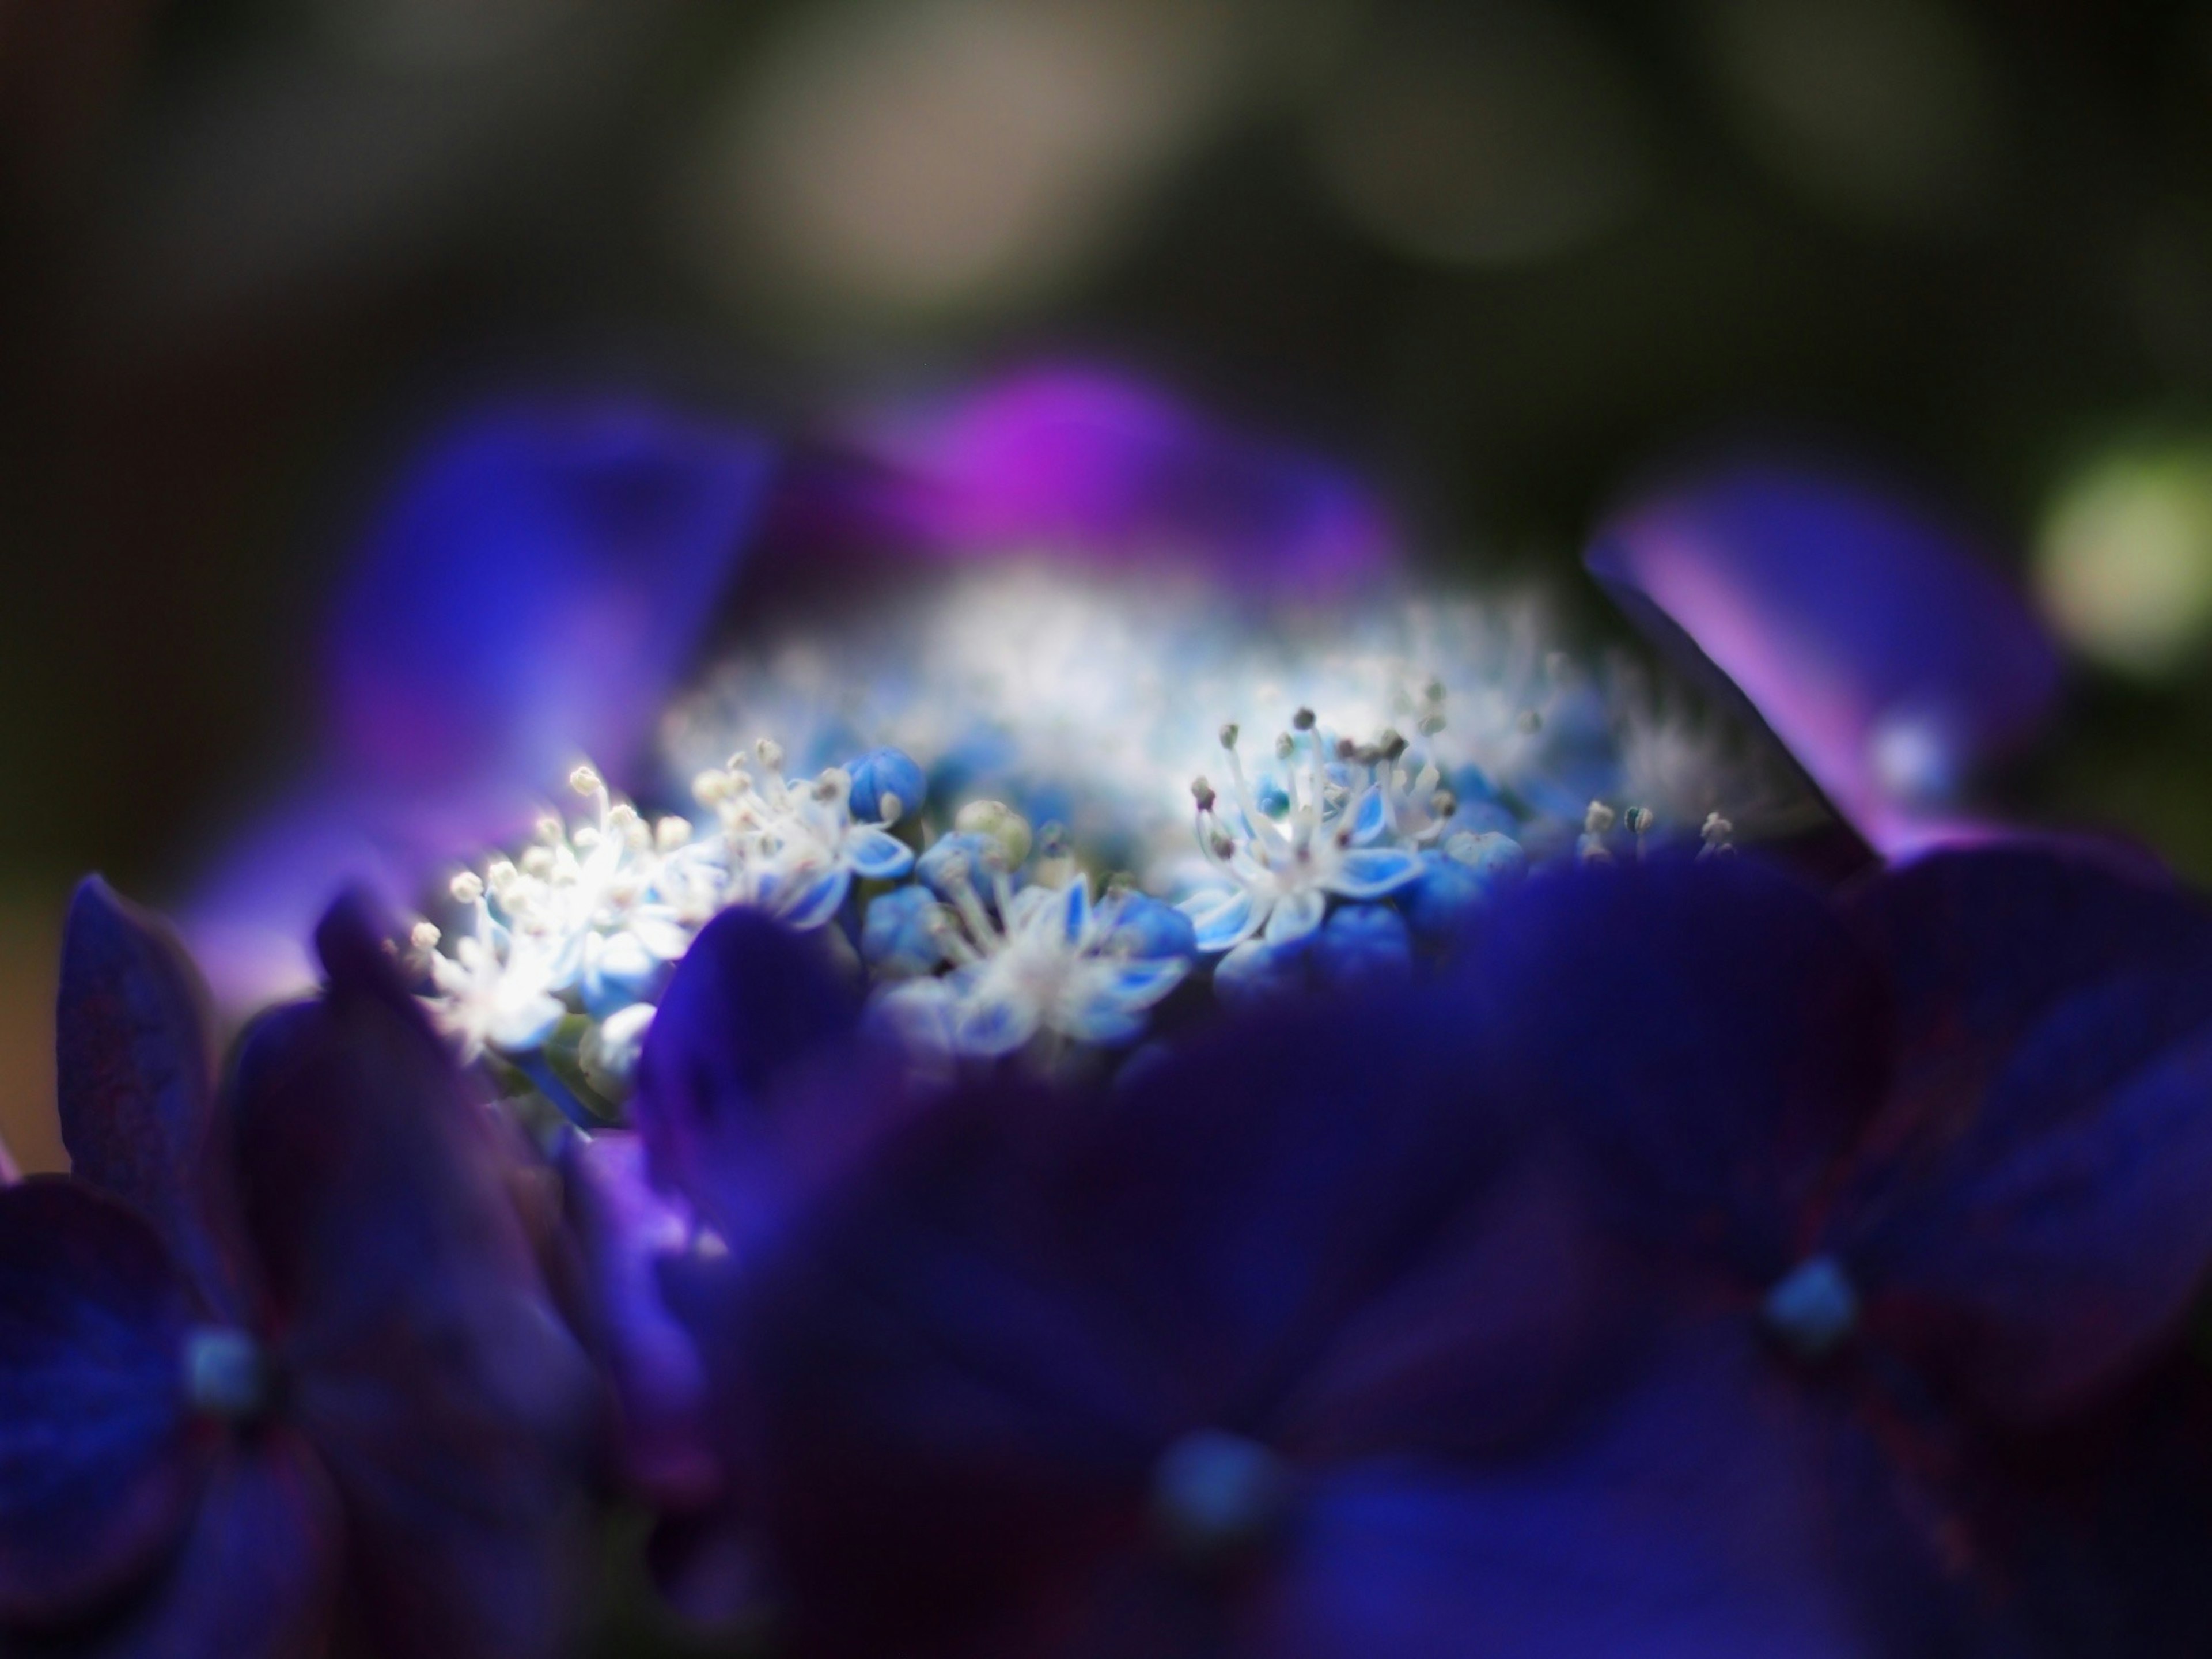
[(1504, 254)]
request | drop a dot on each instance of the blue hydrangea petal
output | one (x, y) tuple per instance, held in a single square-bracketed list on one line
[(1733, 1056), (99, 1466), (987, 1023), (1256, 973), (807, 899), (1369, 818), (1447, 896), (136, 1083), (1143, 925), (876, 855), (1364, 944), (1295, 915), (899, 936), (1690, 1518), (951, 860), (1220, 920), (883, 772), (1369, 872), (1116, 999), (1075, 909)]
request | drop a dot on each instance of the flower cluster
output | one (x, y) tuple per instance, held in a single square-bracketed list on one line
[(1053, 1174)]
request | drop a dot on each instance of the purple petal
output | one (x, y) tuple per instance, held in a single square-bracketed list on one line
[(754, 1086), (135, 1081), (1095, 467), (99, 1463), (1888, 657), (533, 588), (2033, 1223), (1707, 1030), (257, 1578), (625, 1226), (451, 1406)]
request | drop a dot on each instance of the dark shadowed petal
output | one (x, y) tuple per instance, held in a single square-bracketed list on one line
[(625, 1225), (2097, 1528), (534, 586), (1980, 946), (98, 1462), (755, 1082), (2060, 1238), (256, 1577), (1689, 1522), (429, 1371), (1708, 1030), (2032, 1220), (1090, 466), (135, 1081), (1887, 655), (968, 1370)]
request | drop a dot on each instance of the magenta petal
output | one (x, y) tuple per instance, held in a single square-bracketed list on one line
[(452, 1407), (99, 1464), (257, 1578), (1095, 467), (1884, 652), (624, 1226), (534, 587), (135, 1081)]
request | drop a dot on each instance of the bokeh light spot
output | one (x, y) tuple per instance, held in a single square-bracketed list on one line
[(2124, 563), (887, 161)]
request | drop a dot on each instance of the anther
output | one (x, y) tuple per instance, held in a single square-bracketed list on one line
[(1303, 720), (585, 781), (1444, 803), (1229, 733), (1392, 743), (424, 936), (467, 887), (1202, 792), (1284, 746), (889, 807), (1638, 820), (1598, 819), (1431, 725), (770, 753)]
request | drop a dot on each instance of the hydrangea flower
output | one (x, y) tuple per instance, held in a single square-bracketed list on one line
[(280, 1349)]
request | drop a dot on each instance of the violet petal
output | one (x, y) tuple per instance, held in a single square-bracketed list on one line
[(1888, 656), (135, 1081), (100, 1467)]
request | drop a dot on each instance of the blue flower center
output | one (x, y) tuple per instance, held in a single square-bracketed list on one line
[(227, 1374), (1813, 1310), (1216, 1494)]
